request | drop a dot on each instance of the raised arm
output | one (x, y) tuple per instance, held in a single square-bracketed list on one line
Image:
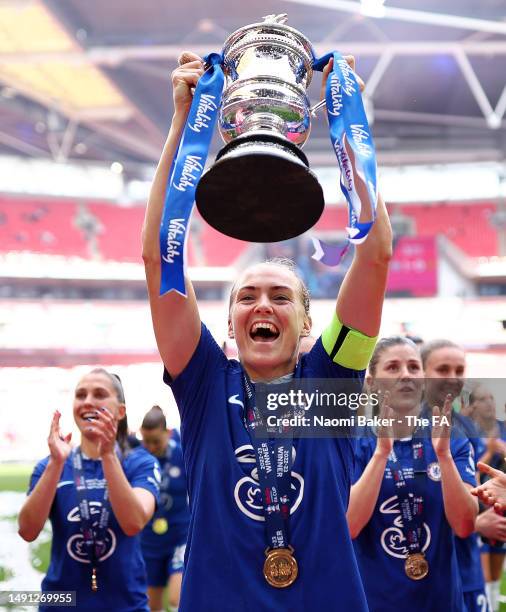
[(360, 299), (37, 506), (461, 509), (132, 506), (364, 493), (176, 319)]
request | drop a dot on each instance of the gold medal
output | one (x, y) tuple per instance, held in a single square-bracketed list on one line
[(416, 566), (280, 567), (94, 585), (160, 526)]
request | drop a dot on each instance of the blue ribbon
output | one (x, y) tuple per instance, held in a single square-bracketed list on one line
[(274, 466), (187, 168), (94, 538), (348, 126), (411, 506)]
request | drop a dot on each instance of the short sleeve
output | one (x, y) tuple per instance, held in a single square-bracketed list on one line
[(143, 471), (363, 454), (463, 457), (479, 447), (469, 429), (190, 388), (318, 364), (38, 470)]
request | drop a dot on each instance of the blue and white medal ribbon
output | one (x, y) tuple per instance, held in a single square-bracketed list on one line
[(349, 128), (94, 537), (410, 489), (187, 168), (274, 467)]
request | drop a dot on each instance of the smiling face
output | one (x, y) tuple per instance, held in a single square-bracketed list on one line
[(445, 369), (399, 371), (267, 319), (93, 391)]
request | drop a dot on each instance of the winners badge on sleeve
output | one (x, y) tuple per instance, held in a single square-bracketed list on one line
[(416, 566), (160, 526)]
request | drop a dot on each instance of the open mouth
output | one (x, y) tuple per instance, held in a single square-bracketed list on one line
[(89, 416), (263, 332), (407, 389)]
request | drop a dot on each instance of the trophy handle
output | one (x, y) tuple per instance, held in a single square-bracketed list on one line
[(313, 109)]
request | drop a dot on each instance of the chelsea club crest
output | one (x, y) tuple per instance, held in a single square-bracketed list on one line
[(434, 471)]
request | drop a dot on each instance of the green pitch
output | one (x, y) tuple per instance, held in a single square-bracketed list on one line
[(15, 476)]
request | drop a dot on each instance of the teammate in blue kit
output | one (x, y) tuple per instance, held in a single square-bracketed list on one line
[(444, 364), (98, 498), (412, 489), (164, 538), (240, 556), (482, 410)]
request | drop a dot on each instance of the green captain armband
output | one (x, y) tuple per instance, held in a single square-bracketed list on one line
[(347, 347)]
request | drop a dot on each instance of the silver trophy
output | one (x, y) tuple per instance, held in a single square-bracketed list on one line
[(260, 188)]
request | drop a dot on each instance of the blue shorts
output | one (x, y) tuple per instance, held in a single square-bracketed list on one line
[(159, 569), (497, 548), (476, 601)]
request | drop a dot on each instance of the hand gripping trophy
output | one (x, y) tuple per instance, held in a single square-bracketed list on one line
[(260, 188)]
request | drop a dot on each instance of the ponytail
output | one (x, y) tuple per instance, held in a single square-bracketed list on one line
[(154, 419), (122, 430)]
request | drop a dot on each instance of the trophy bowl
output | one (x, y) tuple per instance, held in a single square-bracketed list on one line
[(260, 188)]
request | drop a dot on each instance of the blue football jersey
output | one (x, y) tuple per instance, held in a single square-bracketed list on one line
[(169, 525), (226, 541), (468, 549), (120, 570), (381, 545)]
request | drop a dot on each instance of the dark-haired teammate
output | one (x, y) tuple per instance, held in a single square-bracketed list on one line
[(164, 538), (411, 493), (98, 497)]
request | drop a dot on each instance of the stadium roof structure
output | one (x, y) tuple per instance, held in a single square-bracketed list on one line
[(90, 80)]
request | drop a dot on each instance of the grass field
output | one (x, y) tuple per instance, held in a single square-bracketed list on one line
[(15, 476), (14, 479)]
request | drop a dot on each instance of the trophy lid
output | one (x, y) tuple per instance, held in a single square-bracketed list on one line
[(274, 25)]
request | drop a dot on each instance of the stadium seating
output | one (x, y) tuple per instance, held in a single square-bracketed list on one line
[(40, 226), (103, 230), (97, 230), (468, 226)]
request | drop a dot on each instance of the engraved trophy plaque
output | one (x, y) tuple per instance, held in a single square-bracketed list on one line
[(260, 188)]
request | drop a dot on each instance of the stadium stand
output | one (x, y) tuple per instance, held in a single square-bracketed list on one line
[(468, 226), (97, 230), (102, 230)]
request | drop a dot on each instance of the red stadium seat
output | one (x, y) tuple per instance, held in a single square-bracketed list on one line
[(98, 230)]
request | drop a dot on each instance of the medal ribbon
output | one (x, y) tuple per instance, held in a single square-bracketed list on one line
[(274, 465), (348, 128), (187, 168), (94, 539), (164, 485), (411, 508)]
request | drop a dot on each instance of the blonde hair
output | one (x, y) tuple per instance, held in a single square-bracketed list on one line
[(287, 264)]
